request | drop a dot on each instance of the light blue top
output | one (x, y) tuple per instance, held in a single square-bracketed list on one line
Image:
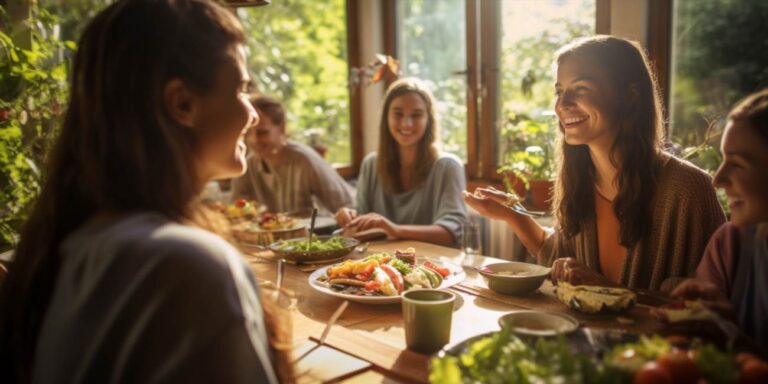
[(146, 300), (436, 201)]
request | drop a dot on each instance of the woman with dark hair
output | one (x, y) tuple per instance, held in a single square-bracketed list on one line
[(118, 276), (409, 189), (627, 212), (733, 275)]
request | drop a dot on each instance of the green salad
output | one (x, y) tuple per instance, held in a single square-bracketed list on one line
[(303, 245), (504, 358)]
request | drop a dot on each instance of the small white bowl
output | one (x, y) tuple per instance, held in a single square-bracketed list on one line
[(538, 323)]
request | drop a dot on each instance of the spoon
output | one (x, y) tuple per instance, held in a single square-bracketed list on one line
[(311, 228)]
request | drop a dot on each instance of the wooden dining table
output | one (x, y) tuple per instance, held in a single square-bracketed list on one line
[(367, 343)]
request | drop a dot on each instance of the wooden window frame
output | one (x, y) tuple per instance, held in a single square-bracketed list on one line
[(482, 67)]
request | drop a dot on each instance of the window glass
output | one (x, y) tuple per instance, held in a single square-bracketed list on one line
[(431, 45), (532, 30), (719, 55), (298, 53)]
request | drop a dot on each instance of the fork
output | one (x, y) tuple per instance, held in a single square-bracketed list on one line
[(519, 208)]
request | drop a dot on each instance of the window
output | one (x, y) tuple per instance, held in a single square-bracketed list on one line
[(490, 63), (431, 45), (298, 53), (719, 55)]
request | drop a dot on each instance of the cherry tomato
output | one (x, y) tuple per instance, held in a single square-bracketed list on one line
[(372, 286), (442, 271), (680, 366), (753, 371), (241, 203), (652, 373)]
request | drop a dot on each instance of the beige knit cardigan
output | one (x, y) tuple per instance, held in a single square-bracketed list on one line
[(686, 213)]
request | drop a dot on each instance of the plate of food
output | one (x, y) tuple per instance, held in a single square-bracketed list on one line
[(241, 210), (380, 278), (267, 228), (322, 248), (592, 299)]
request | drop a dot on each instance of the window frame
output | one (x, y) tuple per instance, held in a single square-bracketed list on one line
[(482, 67)]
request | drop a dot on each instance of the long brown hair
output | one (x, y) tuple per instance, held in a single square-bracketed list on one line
[(388, 156), (635, 150), (118, 149)]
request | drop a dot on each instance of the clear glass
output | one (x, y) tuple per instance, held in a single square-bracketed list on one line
[(298, 53), (432, 46), (532, 30), (471, 244)]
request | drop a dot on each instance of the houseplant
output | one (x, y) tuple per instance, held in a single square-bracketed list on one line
[(528, 160)]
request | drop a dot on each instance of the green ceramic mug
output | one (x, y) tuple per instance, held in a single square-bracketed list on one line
[(427, 315)]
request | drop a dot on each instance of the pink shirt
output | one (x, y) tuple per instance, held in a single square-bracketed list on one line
[(718, 265)]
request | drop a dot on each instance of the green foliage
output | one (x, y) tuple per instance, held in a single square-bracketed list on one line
[(715, 64), (298, 53), (33, 91), (423, 26), (535, 158)]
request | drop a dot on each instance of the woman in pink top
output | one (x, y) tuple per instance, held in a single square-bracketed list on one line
[(733, 275)]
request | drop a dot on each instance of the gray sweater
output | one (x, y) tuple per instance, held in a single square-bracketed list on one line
[(146, 300), (436, 201)]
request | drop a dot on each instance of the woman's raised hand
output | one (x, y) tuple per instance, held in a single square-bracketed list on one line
[(491, 203), (576, 273)]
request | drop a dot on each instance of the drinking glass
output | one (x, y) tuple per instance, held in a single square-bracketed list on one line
[(470, 242)]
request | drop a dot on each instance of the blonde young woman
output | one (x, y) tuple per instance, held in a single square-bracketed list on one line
[(118, 276), (409, 189), (627, 212)]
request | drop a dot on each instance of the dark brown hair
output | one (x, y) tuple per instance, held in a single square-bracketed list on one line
[(388, 156), (634, 152), (754, 110), (118, 149), (269, 106)]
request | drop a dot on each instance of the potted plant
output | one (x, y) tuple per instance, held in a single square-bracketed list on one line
[(528, 162)]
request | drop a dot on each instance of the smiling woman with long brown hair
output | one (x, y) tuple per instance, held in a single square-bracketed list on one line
[(118, 276), (628, 213)]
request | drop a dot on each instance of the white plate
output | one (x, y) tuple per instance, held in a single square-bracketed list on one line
[(457, 275)]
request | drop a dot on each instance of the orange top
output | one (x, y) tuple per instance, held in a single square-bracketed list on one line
[(611, 252)]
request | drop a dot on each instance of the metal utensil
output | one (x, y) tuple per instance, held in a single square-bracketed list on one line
[(362, 247), (279, 278), (519, 208), (311, 228), (335, 316), (332, 320)]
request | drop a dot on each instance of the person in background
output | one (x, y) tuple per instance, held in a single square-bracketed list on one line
[(733, 274), (627, 212), (284, 175), (119, 275), (409, 189)]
